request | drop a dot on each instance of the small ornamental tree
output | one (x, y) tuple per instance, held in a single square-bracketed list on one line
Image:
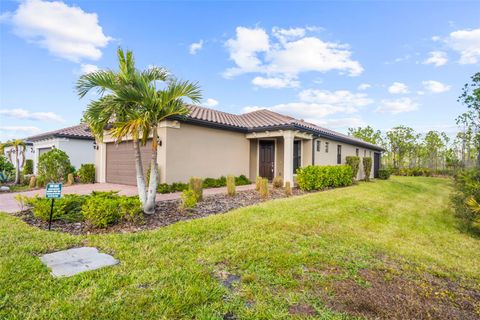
[(54, 165), (354, 163), (367, 167)]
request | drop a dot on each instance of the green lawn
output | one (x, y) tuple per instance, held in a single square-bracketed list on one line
[(280, 250)]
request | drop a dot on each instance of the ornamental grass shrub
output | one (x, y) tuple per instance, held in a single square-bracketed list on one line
[(86, 173), (367, 167), (288, 189), (231, 185), (33, 182), (70, 179), (189, 199), (263, 189), (277, 182), (354, 163), (196, 185), (322, 177), (258, 182)]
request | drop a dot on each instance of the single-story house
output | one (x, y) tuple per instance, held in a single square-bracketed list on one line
[(77, 142), (9, 152), (210, 143)]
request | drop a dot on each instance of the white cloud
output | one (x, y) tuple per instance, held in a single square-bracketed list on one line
[(287, 53), (211, 102), (397, 88), (435, 86), (437, 58), (467, 44), (244, 48), (397, 106), (87, 68), (195, 47), (313, 105), (27, 115), (66, 31), (364, 86), (275, 83)]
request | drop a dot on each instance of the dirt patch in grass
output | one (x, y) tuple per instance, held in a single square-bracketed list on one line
[(383, 294), (167, 212)]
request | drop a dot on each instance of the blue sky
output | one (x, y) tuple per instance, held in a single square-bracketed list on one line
[(338, 64)]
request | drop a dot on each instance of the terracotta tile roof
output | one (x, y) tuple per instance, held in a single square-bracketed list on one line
[(80, 131), (263, 119)]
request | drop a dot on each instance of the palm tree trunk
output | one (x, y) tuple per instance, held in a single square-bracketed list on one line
[(17, 166), (139, 170), (149, 206)]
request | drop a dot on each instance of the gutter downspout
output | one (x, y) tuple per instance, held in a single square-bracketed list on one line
[(313, 150)]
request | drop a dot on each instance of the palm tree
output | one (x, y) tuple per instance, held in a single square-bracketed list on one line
[(131, 105), (19, 149)]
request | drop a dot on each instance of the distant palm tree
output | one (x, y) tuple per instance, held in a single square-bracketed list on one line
[(19, 149), (131, 105)]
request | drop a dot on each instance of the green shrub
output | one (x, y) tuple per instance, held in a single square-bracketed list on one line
[(40, 181), (263, 190), (277, 182), (196, 185), (321, 177), (100, 211), (54, 165), (33, 182), (231, 185), (189, 199), (28, 167), (354, 163), (288, 189), (163, 188), (67, 208), (466, 197), (178, 186), (6, 168), (87, 173), (367, 167), (384, 174), (130, 208), (242, 180), (22, 201)]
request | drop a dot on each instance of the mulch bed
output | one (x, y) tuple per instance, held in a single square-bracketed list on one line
[(167, 212)]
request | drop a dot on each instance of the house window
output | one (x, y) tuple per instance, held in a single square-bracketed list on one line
[(364, 153), (326, 147), (297, 155), (339, 154), (318, 145), (357, 152)]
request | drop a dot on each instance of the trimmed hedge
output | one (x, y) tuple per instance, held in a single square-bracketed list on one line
[(367, 167), (207, 183), (28, 168), (322, 177), (384, 174), (354, 163)]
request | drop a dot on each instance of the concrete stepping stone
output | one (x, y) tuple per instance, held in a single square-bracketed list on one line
[(69, 262)]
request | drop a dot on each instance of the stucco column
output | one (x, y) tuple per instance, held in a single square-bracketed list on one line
[(288, 157)]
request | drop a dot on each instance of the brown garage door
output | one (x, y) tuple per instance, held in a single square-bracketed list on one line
[(121, 162)]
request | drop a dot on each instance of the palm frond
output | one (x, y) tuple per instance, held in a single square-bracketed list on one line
[(102, 80), (473, 205)]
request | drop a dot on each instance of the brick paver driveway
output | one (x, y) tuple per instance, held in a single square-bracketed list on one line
[(8, 203)]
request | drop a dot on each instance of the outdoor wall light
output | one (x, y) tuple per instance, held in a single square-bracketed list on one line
[(95, 145)]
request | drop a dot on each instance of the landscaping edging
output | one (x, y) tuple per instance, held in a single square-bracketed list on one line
[(167, 212)]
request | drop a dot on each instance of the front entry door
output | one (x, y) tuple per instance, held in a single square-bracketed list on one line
[(267, 159), (376, 164)]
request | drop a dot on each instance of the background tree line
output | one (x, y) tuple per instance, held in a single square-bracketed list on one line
[(406, 148)]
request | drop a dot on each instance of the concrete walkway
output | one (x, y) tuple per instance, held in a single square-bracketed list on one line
[(10, 205)]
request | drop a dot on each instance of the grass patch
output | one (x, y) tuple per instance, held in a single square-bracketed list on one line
[(275, 257)]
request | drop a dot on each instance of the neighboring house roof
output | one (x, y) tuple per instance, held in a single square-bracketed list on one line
[(80, 131), (262, 120)]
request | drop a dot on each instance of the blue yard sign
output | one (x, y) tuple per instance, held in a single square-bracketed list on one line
[(54, 191)]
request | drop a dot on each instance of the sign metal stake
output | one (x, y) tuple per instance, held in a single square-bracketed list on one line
[(51, 215), (53, 191)]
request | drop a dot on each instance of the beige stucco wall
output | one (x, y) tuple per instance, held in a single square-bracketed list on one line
[(322, 158), (196, 151)]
